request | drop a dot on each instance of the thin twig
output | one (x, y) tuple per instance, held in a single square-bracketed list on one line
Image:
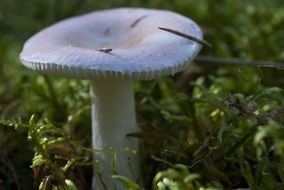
[(162, 161), (187, 36), (210, 61), (213, 61)]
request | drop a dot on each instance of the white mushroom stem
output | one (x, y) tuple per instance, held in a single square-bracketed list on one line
[(113, 116)]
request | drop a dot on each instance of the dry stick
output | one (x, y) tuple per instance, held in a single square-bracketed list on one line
[(213, 61), (210, 61), (187, 36)]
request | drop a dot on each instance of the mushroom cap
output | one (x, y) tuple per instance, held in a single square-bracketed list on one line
[(120, 43)]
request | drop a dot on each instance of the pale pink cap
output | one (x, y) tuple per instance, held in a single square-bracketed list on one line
[(140, 51)]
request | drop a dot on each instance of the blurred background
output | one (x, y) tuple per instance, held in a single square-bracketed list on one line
[(221, 118)]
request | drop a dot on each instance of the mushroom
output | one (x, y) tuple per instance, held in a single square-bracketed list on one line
[(112, 48)]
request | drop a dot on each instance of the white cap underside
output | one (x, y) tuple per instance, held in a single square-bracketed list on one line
[(140, 51)]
